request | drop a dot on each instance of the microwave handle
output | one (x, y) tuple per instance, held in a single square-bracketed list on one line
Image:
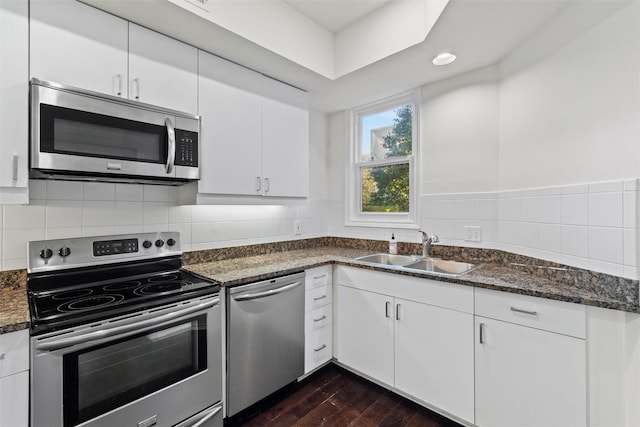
[(171, 154)]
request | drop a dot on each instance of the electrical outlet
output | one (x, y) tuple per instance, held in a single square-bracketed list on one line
[(473, 233), (297, 227)]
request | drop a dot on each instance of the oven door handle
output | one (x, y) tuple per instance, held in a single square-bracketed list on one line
[(133, 324)]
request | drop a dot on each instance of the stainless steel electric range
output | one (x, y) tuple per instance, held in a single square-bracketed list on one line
[(121, 335)]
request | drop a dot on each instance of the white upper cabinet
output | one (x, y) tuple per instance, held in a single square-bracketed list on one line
[(285, 140), (230, 104), (14, 90), (78, 45), (162, 70), (255, 132)]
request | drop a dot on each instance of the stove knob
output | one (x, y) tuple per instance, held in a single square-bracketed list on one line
[(46, 253), (64, 252), (171, 242), (159, 243), (147, 244)]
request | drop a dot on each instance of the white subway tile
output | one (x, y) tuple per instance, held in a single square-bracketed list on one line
[(440, 209), (632, 273), (129, 213), (606, 267), (127, 229), (606, 244), (463, 209), (24, 216), (576, 261), (486, 209), (155, 228), (37, 189), (99, 191), (630, 209), (575, 209), (606, 187), (156, 213), (67, 213), (510, 209), (185, 232), (605, 209), (63, 232), (64, 190), (160, 193), (575, 241), (130, 192), (98, 213), (630, 247), (14, 243), (98, 230), (551, 209), (575, 189), (530, 209), (204, 213), (14, 264), (201, 232), (179, 214), (551, 239)]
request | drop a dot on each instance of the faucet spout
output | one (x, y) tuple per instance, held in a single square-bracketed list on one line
[(427, 241)]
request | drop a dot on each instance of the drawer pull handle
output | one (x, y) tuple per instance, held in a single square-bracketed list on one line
[(397, 311), (481, 333), (386, 309), (322, 347), (319, 277), (320, 298), (519, 310), (320, 319)]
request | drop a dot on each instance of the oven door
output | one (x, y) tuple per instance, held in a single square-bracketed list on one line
[(77, 132), (155, 368)]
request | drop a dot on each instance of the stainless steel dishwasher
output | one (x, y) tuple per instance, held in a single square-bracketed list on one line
[(265, 339)]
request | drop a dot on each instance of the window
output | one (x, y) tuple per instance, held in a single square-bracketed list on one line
[(382, 183)]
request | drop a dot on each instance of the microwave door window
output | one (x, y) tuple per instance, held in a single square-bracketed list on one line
[(67, 131), (102, 141)]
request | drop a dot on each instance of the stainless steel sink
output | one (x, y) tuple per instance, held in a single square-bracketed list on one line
[(441, 267), (388, 259)]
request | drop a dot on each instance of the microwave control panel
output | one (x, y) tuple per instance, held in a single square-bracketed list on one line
[(186, 148)]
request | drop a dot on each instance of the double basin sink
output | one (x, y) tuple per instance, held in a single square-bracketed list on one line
[(436, 266)]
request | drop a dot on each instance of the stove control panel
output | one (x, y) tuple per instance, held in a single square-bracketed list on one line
[(48, 255), (113, 247)]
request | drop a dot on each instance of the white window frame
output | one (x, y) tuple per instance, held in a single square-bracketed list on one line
[(353, 215)]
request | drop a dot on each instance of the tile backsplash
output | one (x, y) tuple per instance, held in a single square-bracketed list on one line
[(592, 226)]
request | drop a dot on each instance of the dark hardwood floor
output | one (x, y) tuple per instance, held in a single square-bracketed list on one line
[(336, 397)]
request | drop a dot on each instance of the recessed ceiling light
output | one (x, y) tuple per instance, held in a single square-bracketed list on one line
[(444, 58)]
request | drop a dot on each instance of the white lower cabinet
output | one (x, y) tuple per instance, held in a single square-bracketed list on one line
[(413, 334), (318, 318), (527, 376), (14, 379)]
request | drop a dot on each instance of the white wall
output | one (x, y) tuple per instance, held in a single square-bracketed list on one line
[(572, 117), (541, 151)]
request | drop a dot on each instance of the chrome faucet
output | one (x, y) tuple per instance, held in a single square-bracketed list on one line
[(427, 241)]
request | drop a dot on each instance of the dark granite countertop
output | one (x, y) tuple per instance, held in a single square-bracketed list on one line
[(498, 270), (546, 280)]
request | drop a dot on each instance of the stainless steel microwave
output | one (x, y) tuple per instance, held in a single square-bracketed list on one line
[(82, 135)]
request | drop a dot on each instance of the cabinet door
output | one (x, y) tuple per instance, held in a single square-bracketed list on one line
[(162, 70), (78, 45), (365, 332), (14, 95), (14, 400), (285, 140), (528, 377), (434, 356), (231, 139)]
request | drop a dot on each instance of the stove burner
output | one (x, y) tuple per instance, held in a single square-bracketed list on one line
[(122, 286), (163, 278), (75, 294), (90, 303), (158, 288)]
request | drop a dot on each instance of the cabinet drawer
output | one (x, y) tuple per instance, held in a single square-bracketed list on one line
[(318, 318), (317, 297), (14, 352), (318, 348), (555, 316), (318, 276)]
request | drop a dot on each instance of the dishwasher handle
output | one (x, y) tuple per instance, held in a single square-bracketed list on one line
[(250, 296)]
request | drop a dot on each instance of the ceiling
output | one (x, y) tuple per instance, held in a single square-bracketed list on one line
[(335, 15), (479, 32)]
